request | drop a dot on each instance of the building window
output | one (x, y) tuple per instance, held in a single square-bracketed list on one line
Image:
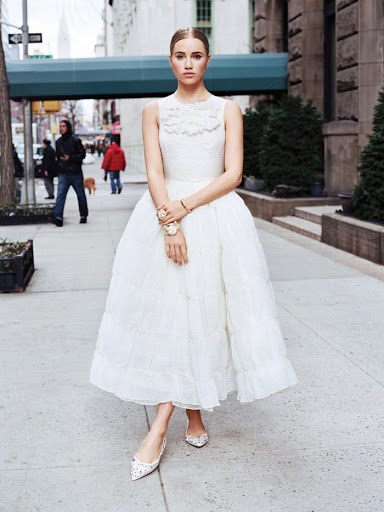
[(329, 60), (204, 17), (282, 42), (251, 24)]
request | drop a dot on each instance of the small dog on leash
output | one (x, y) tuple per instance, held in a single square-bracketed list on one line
[(90, 184)]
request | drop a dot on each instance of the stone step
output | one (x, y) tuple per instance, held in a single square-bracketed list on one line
[(314, 213), (301, 226)]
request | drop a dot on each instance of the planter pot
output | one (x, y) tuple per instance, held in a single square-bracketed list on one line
[(362, 238), (16, 272), (267, 206), (253, 184), (317, 189), (26, 214), (346, 201)]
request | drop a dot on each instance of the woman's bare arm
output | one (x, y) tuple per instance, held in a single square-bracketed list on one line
[(152, 154), (175, 246), (233, 164), (233, 160)]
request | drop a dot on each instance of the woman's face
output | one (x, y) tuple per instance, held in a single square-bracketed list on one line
[(189, 60)]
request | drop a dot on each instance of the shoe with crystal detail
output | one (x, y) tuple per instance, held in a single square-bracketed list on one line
[(140, 469), (197, 441)]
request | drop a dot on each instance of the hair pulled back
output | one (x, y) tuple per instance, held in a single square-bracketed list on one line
[(184, 33)]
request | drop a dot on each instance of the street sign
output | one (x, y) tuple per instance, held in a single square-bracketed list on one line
[(36, 107), (36, 38), (15, 38), (41, 56), (52, 106), (46, 107), (18, 38)]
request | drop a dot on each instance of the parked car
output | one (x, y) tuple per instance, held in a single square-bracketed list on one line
[(38, 150)]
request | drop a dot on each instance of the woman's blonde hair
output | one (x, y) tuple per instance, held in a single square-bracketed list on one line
[(184, 33)]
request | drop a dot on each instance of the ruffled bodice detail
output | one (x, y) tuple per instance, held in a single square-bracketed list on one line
[(192, 138), (191, 118)]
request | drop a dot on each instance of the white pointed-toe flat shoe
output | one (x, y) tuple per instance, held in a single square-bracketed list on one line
[(197, 441), (140, 469)]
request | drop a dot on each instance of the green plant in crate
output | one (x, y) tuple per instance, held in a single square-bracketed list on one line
[(10, 249)]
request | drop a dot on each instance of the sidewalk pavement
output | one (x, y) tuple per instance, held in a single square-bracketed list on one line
[(67, 445)]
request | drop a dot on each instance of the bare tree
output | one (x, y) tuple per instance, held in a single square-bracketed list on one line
[(72, 110), (7, 182)]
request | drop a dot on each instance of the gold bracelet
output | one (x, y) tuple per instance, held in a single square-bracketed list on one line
[(183, 205)]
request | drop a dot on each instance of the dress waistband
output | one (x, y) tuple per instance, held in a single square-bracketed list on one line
[(201, 180)]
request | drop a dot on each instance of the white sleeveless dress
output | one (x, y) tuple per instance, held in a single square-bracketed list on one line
[(191, 334)]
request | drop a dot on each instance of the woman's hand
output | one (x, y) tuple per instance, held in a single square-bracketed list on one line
[(174, 211), (176, 248)]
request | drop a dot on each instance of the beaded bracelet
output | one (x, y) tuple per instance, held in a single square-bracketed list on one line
[(185, 208)]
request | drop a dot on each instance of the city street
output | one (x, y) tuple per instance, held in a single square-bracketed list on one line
[(67, 445)]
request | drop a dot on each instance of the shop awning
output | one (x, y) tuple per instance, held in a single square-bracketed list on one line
[(133, 77)]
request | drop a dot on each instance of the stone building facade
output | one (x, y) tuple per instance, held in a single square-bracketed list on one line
[(335, 53)]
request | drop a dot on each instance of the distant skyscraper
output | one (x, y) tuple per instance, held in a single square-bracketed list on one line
[(63, 41)]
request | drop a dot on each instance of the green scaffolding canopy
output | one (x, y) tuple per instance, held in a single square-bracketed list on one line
[(133, 77)]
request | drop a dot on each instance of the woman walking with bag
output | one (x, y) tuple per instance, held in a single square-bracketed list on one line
[(190, 314)]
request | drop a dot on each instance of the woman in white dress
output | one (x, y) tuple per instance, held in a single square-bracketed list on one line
[(190, 314)]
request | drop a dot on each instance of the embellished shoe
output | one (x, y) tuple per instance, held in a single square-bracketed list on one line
[(198, 441), (140, 469)]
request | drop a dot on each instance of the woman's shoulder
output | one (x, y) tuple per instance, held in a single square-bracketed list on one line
[(231, 106), (232, 111), (151, 109)]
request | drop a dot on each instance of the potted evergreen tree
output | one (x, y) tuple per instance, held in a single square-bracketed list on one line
[(255, 121), (368, 200), (291, 149)]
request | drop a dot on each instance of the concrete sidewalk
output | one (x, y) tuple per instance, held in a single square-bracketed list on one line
[(67, 445)]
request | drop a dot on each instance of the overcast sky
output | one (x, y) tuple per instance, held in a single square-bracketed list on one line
[(84, 23)]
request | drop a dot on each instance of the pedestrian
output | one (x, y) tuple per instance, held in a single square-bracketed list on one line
[(98, 148), (190, 315), (113, 163), (18, 174), (104, 148), (70, 153), (48, 168)]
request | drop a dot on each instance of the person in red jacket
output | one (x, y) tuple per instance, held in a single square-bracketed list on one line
[(113, 163)]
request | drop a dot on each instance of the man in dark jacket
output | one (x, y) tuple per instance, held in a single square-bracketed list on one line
[(48, 168), (17, 173), (70, 153)]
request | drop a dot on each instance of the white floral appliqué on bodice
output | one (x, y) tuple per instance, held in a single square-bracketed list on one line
[(192, 138)]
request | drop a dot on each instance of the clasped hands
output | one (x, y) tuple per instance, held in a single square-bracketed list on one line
[(174, 210), (175, 246)]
